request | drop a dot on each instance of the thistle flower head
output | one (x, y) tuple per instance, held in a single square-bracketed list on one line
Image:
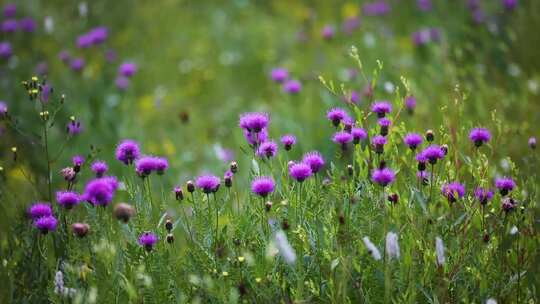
[(342, 138), (74, 127), (314, 160), (254, 121), (328, 32), (99, 167), (100, 191), (80, 229), (208, 183), (127, 151), (505, 185), (40, 209), (67, 199), (483, 195), (127, 69), (453, 191), (532, 142), (336, 115), (123, 212), (381, 108), (383, 177), (358, 134), (46, 224), (292, 86), (384, 122), (262, 186), (288, 141), (279, 75), (300, 171), (148, 240), (433, 153), (410, 103), (479, 136), (267, 149), (413, 140)]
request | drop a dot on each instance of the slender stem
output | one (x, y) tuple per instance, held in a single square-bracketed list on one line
[(217, 221), (46, 145)]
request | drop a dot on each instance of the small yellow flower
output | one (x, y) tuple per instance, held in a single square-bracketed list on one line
[(13, 149), (241, 259), (34, 78), (258, 280), (225, 274)]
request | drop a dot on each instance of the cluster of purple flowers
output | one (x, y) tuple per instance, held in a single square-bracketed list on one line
[(281, 76), (145, 165), (93, 37), (312, 163), (376, 8), (100, 191), (10, 24), (453, 191), (43, 217), (426, 35), (125, 72)]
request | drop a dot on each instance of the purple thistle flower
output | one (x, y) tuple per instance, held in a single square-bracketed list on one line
[(479, 136), (423, 177), (378, 143), (267, 149), (148, 240), (279, 75), (328, 32), (288, 141), (77, 161), (422, 160), (314, 160), (98, 35), (100, 191), (262, 186), (64, 56), (342, 138), (384, 122), (99, 167), (350, 24), (40, 209), (127, 69), (413, 140), (27, 25), (433, 153), (424, 5), (162, 164), (421, 37), (336, 115), (376, 8), (10, 9), (353, 98), (77, 64), (483, 195), (208, 183), (84, 41), (453, 191), (381, 108), (145, 165), (509, 5), (505, 185), (292, 86), (122, 83), (410, 103), (358, 134), (508, 204), (532, 142), (46, 224), (3, 108), (127, 151), (9, 26), (254, 121), (383, 177), (254, 139), (67, 199), (299, 171), (74, 127), (5, 50)]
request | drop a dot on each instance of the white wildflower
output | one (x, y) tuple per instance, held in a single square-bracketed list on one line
[(392, 245), (83, 9), (439, 250), (371, 248), (491, 301), (284, 248), (514, 230), (49, 24)]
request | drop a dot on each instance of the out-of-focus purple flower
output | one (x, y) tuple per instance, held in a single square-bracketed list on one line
[(40, 209), (46, 91), (9, 26), (342, 138), (328, 32), (478, 16), (376, 8), (473, 4), (384, 122), (300, 171), (505, 185), (100, 191), (483, 195), (110, 55), (3, 108), (98, 35), (67, 199), (208, 183), (435, 34), (127, 151), (122, 83), (288, 141), (77, 161), (127, 69), (479, 136), (433, 153), (424, 5), (77, 64), (267, 149), (254, 121), (350, 25), (358, 134), (5, 50), (42, 68), (99, 168), (84, 41), (162, 164), (336, 115), (74, 127), (421, 37), (148, 240), (145, 165), (509, 5), (348, 124), (262, 186), (453, 191), (378, 143), (314, 160), (64, 56), (27, 25), (410, 103), (413, 140), (279, 75), (532, 142), (10, 9), (383, 177), (46, 224), (381, 108), (224, 154), (292, 86)]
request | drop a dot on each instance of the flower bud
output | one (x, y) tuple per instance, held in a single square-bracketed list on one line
[(170, 238), (228, 181), (80, 229), (393, 198), (285, 224), (350, 170), (123, 212), (178, 194), (168, 225), (430, 136), (190, 186), (268, 206), (234, 167)]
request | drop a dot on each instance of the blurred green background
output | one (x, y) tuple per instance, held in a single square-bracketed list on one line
[(202, 63)]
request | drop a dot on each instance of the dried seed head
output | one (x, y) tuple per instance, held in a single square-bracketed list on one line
[(80, 229)]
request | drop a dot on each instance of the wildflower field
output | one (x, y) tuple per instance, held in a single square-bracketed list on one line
[(379, 151)]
